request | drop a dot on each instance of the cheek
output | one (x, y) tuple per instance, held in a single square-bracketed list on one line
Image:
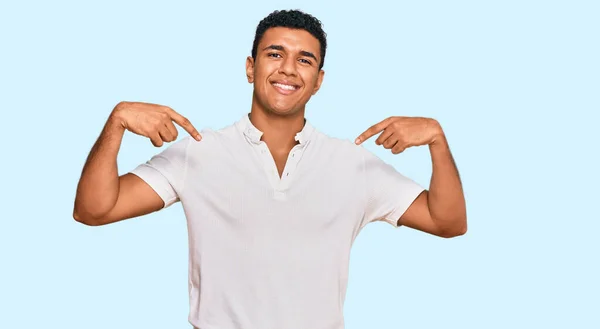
[(260, 71), (310, 81), (258, 76)]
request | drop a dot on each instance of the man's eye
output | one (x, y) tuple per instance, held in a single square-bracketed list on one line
[(273, 55), (305, 61)]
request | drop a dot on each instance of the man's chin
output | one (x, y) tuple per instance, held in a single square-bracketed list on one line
[(284, 110)]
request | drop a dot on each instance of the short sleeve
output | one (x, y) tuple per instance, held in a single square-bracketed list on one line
[(388, 192), (165, 172)]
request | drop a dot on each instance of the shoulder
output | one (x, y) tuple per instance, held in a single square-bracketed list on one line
[(336, 146), (214, 142), (213, 137), (344, 153), (339, 153)]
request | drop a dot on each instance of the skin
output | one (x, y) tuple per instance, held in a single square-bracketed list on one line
[(288, 56)]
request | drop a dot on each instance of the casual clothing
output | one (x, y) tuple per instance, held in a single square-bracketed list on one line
[(269, 252)]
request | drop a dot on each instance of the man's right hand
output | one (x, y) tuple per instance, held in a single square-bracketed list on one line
[(153, 121)]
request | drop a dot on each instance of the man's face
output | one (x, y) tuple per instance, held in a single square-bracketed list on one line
[(286, 70)]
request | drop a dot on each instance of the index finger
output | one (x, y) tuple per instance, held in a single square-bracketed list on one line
[(372, 131), (184, 123)]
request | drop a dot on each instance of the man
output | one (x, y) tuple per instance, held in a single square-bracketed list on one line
[(273, 205)]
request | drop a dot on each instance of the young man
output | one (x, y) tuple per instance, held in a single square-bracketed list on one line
[(273, 205)]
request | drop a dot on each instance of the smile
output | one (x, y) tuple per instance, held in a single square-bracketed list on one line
[(284, 88)]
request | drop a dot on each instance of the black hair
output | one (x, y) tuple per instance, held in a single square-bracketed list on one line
[(294, 19)]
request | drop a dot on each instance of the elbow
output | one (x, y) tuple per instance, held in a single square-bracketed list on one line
[(85, 218), (456, 230), (89, 211), (455, 233)]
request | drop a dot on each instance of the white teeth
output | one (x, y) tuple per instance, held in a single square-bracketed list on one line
[(286, 87)]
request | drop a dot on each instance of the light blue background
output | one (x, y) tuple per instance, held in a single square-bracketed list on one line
[(515, 84)]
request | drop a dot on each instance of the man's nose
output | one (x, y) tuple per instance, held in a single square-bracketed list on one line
[(288, 66)]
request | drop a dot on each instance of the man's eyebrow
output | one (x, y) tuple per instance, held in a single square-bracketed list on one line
[(302, 52), (274, 47), (308, 54)]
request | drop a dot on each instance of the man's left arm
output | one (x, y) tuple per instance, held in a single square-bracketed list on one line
[(441, 211)]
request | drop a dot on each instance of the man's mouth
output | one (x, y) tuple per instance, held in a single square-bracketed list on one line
[(285, 88)]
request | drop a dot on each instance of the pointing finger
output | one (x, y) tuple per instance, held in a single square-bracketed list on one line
[(373, 130), (185, 124)]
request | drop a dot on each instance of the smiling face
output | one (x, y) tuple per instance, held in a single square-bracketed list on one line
[(286, 70)]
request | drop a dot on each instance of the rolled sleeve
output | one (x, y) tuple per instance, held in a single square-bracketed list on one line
[(159, 183), (388, 193), (165, 172)]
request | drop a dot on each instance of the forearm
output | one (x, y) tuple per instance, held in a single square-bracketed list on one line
[(98, 188), (446, 199)]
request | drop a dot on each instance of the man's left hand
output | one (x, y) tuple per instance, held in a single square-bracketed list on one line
[(399, 133)]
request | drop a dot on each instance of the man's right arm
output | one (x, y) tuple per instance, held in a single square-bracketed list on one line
[(104, 197)]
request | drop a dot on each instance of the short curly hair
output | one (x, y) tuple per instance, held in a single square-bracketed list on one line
[(294, 19)]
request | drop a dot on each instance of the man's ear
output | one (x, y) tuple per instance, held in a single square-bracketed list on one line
[(250, 69), (319, 81)]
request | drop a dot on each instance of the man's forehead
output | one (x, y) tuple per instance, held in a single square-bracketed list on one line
[(290, 39)]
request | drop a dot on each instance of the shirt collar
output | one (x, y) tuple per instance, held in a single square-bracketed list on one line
[(254, 135)]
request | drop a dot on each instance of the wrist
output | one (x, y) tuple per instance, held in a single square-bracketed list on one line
[(116, 116), (115, 123), (439, 138)]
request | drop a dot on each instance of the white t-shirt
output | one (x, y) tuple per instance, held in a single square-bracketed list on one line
[(269, 252)]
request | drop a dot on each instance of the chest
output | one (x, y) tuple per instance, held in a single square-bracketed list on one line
[(313, 194)]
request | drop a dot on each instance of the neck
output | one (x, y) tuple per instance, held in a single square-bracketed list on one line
[(279, 131)]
